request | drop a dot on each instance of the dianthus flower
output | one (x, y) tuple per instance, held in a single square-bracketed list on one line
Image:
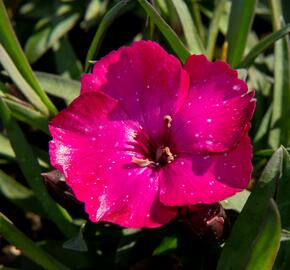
[(147, 135)]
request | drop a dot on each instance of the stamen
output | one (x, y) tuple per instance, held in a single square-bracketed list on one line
[(168, 120), (164, 153), (142, 162)]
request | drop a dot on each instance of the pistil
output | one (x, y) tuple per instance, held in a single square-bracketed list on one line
[(155, 157)]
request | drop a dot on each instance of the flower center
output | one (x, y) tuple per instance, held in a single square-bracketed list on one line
[(155, 156)]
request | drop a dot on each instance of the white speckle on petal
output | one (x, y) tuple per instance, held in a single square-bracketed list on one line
[(208, 120), (236, 87)]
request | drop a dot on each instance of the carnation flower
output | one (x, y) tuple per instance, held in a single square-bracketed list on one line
[(147, 135)]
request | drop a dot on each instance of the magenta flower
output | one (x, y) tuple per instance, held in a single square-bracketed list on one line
[(147, 135)]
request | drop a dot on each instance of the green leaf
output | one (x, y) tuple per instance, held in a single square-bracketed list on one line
[(263, 129), (214, 27), (105, 23), (172, 38), (95, 9), (192, 38), (283, 201), (5, 148), (280, 128), (58, 86), (248, 233), (50, 30), (283, 198), (267, 242), (265, 43), (196, 15), (28, 248), (31, 170), (168, 243), (241, 17), (78, 242), (7, 151), (23, 112), (285, 235), (237, 201), (10, 46), (18, 194), (66, 61), (20, 82)]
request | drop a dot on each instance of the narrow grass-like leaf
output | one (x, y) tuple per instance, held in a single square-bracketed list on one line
[(196, 15), (280, 128), (21, 83), (176, 44), (192, 38), (5, 148), (47, 32), (263, 130), (105, 23), (283, 201), (29, 249), (245, 232), (285, 235), (265, 43), (66, 61), (10, 44), (214, 27), (31, 170), (18, 194), (23, 112), (58, 86), (283, 198), (7, 152), (168, 243), (241, 17)]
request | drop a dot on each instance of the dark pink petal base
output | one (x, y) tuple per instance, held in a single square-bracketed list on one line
[(147, 135)]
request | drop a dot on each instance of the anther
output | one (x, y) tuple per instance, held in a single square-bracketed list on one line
[(168, 120), (142, 162)]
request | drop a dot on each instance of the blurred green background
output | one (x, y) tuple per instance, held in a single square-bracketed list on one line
[(45, 46)]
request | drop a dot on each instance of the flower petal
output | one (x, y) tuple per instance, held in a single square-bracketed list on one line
[(148, 82), (93, 145), (214, 128), (195, 179), (216, 113)]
